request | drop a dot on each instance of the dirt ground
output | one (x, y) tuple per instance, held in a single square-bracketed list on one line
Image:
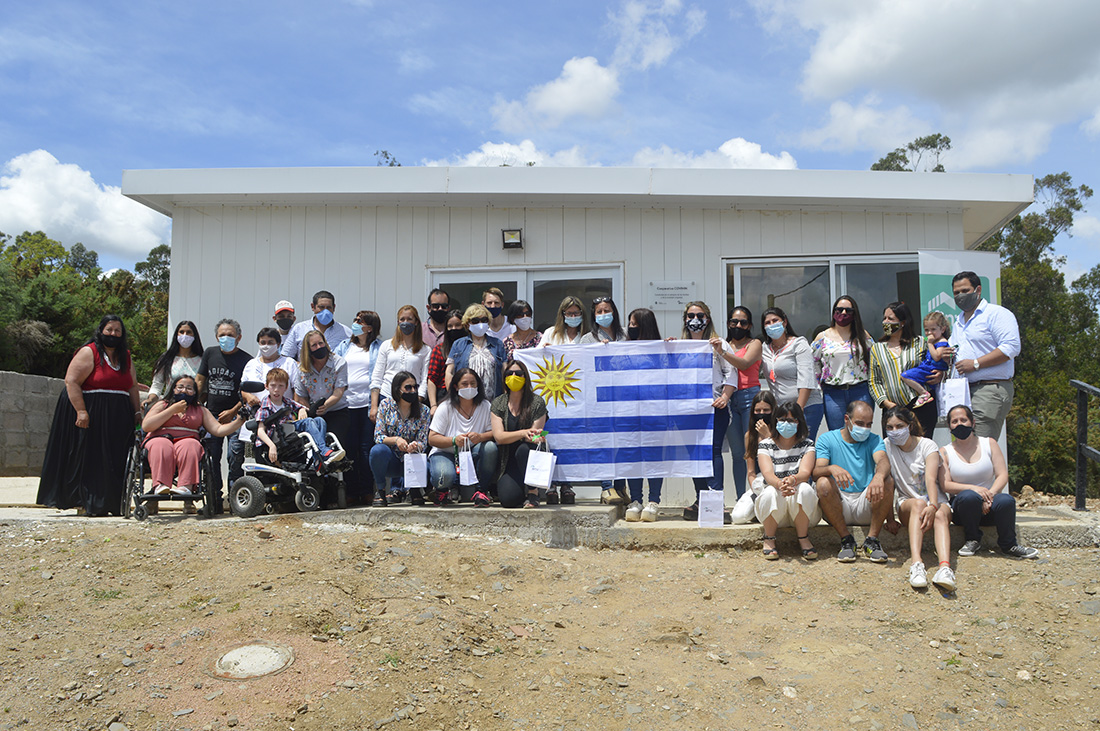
[(120, 623)]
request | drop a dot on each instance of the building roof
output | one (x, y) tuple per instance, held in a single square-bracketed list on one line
[(985, 201)]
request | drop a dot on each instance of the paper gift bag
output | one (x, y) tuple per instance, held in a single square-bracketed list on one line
[(467, 475), (540, 467), (712, 504), (951, 393), (416, 470)]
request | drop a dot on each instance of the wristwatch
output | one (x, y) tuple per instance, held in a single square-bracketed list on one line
[(977, 365)]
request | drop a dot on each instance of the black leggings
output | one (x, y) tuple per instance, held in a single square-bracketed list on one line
[(511, 490)]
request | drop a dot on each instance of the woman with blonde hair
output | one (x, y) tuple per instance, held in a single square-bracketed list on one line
[(483, 354)]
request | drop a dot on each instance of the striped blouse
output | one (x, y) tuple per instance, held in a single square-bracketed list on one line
[(886, 370)]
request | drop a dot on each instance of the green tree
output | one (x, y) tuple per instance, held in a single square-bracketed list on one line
[(384, 159), (156, 268), (923, 154)]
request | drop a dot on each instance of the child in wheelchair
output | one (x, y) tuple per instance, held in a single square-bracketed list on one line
[(318, 454)]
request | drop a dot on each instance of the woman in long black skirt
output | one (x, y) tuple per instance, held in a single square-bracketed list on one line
[(93, 426)]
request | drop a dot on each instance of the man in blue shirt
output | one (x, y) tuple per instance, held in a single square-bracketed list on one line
[(987, 340), (323, 321), (853, 482)]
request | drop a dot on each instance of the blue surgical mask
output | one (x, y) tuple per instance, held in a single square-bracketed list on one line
[(775, 330), (324, 317), (574, 321), (227, 343), (356, 328), (605, 319), (786, 429), (859, 433)]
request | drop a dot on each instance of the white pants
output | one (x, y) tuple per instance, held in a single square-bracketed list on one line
[(784, 509), (744, 511)]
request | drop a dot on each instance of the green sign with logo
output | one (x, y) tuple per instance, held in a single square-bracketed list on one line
[(938, 268)]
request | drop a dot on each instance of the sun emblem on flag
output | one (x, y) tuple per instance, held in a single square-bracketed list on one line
[(555, 380)]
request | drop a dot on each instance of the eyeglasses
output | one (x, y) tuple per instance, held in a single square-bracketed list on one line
[(735, 321), (842, 310), (600, 300), (409, 388)]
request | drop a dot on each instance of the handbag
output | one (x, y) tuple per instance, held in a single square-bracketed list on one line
[(540, 466), (712, 505), (951, 393), (467, 473), (416, 470)]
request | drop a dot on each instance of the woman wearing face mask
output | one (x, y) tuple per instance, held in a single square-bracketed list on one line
[(976, 478), (518, 418), (499, 326), (745, 357), (900, 349), (360, 352), (788, 498), (525, 335), (569, 325), (606, 326), (761, 426), (642, 325), (401, 428), (699, 326), (788, 368), (181, 359), (462, 422), (453, 331), (172, 428), (322, 385), (842, 361), (915, 467), (268, 341), (93, 426), (404, 352), (484, 354)]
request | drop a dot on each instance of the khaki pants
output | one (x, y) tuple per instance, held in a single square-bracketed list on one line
[(990, 402)]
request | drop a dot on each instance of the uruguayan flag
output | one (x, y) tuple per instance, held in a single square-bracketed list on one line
[(637, 409)]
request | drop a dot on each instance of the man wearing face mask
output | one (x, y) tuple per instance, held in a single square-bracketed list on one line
[(854, 486), (219, 377), (499, 327), (284, 317), (269, 357), (439, 304), (323, 321), (986, 338)]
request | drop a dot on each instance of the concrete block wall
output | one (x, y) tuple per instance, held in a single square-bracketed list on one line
[(26, 411)]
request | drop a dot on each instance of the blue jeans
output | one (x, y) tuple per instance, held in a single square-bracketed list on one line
[(442, 474), (966, 510), (837, 400), (813, 416), (315, 427), (721, 422), (385, 462), (655, 484), (740, 421)]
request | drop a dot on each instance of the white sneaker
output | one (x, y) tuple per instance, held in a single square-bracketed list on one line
[(162, 490), (649, 512), (918, 577), (945, 578), (181, 490), (634, 512)]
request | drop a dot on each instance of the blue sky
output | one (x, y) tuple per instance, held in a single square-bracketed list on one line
[(91, 89)]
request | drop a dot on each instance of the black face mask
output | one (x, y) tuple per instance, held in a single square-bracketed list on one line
[(962, 431), (188, 398), (766, 418), (438, 316), (409, 397), (111, 341), (285, 323), (319, 354), (968, 301), (739, 333), (632, 333), (453, 336)]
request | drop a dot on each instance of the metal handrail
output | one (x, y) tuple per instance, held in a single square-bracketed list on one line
[(1084, 451)]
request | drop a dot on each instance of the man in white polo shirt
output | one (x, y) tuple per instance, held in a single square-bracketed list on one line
[(986, 338)]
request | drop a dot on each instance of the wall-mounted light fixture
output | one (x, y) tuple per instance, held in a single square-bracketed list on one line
[(513, 238)]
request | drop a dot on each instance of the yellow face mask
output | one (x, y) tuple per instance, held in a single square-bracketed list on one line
[(515, 383)]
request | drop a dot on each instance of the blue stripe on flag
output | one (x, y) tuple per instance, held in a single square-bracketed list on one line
[(676, 453), (655, 361), (654, 392), (632, 423)]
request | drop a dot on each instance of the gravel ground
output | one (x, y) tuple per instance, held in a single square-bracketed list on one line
[(121, 624)]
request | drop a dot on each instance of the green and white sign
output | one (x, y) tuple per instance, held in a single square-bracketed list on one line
[(937, 268)]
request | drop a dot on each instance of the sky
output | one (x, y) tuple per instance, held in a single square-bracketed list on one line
[(89, 89)]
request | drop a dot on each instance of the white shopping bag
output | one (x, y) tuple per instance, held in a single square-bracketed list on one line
[(467, 475), (540, 467), (712, 505), (951, 393), (416, 470)]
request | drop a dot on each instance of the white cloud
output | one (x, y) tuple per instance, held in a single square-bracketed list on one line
[(649, 32), (39, 193), (1091, 126), (733, 153), (414, 61), (495, 154), (584, 89), (1085, 226), (865, 127)]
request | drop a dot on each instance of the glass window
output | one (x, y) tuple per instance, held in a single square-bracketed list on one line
[(548, 294), (873, 286), (801, 291), (464, 294)]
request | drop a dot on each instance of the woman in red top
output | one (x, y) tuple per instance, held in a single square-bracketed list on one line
[(85, 463), (173, 442)]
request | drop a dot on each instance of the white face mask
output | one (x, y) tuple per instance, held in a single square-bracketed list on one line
[(525, 323), (469, 392), (268, 350), (898, 436), (479, 328), (185, 340)]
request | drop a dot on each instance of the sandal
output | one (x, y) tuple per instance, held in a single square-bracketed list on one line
[(808, 553), (923, 399), (532, 500), (770, 554)]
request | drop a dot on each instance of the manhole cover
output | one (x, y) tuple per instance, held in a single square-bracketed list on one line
[(253, 660)]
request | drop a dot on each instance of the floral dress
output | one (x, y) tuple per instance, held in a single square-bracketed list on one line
[(835, 363)]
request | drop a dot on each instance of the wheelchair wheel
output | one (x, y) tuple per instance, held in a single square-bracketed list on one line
[(134, 481), (246, 500), (141, 512), (307, 499)]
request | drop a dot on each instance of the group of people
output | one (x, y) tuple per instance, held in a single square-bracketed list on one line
[(451, 384)]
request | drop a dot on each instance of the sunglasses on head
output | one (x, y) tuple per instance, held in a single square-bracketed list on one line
[(600, 300)]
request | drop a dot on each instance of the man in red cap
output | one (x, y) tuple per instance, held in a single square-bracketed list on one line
[(284, 317)]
